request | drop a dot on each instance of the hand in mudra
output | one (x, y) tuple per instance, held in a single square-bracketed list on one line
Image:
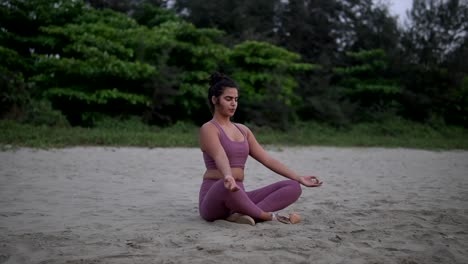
[(310, 181), (230, 184)]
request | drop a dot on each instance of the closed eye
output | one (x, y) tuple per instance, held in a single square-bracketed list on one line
[(230, 98)]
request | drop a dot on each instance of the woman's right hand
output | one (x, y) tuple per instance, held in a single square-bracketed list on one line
[(230, 183), (310, 181)]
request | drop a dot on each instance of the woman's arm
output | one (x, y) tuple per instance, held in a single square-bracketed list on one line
[(209, 142), (259, 153)]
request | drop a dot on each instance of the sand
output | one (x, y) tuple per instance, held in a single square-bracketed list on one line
[(138, 205)]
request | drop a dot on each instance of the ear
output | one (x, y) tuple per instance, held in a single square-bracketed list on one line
[(214, 100)]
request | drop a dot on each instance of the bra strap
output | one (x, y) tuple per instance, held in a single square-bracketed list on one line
[(218, 126), (241, 130)]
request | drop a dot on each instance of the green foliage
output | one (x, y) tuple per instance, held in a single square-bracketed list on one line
[(94, 65), (97, 97), (55, 70), (366, 25), (109, 18), (458, 109), (364, 82), (150, 15), (13, 88), (265, 74), (309, 28), (131, 132), (435, 50), (117, 132), (122, 123), (99, 60), (41, 113), (435, 29), (241, 20), (38, 12), (10, 59), (147, 61), (428, 92), (20, 22), (188, 56)]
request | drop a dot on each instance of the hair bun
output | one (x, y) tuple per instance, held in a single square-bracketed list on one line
[(216, 77)]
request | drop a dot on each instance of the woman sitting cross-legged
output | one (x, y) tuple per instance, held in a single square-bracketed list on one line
[(226, 147)]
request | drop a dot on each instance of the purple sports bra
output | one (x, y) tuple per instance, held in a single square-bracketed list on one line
[(236, 151)]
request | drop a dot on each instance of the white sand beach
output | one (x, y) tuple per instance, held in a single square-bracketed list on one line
[(137, 205)]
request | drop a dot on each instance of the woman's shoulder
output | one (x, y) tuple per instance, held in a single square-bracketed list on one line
[(208, 123), (208, 126), (243, 127)]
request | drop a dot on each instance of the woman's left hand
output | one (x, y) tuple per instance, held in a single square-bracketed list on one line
[(310, 181), (230, 184)]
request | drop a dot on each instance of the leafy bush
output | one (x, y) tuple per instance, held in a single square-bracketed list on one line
[(364, 82), (40, 112), (122, 123), (266, 76), (14, 91)]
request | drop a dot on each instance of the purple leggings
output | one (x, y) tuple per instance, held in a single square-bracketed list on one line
[(216, 202)]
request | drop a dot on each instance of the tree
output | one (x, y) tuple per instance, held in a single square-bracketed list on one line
[(186, 58), (151, 15), (93, 68), (435, 29), (365, 25), (308, 28), (366, 83), (124, 6), (21, 22), (13, 88), (241, 20), (20, 40), (266, 75), (109, 64), (435, 67), (324, 33)]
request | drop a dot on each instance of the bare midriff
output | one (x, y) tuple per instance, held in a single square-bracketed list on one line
[(237, 173)]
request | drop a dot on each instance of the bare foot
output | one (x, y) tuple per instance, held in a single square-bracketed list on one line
[(241, 219), (292, 218)]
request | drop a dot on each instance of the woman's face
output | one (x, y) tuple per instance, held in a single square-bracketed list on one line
[(226, 103)]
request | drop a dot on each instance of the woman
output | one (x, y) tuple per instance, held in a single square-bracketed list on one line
[(226, 146)]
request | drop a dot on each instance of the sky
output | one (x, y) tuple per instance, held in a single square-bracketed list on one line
[(399, 7)]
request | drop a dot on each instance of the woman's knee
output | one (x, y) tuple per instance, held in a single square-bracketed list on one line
[(296, 189)]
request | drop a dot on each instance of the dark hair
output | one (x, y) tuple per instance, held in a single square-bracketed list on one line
[(218, 83)]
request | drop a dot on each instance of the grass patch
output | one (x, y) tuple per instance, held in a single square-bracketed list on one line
[(393, 133), (396, 133), (22, 135)]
